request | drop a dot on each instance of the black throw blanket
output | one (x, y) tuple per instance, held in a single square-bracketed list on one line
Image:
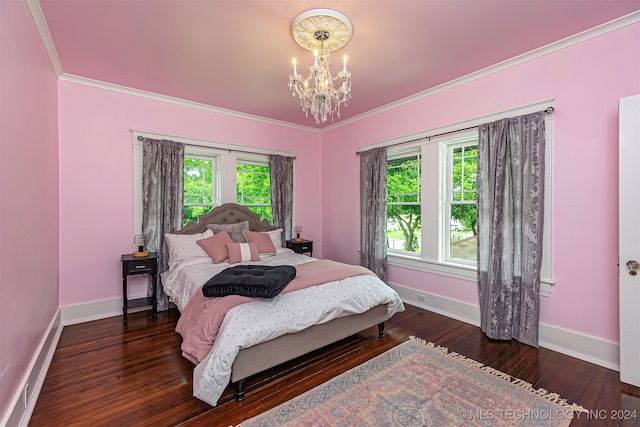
[(257, 281)]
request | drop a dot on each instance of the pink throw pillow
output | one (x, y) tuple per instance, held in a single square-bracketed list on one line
[(243, 252), (265, 245), (216, 246)]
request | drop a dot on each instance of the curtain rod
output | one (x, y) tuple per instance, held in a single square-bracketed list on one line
[(548, 110), (140, 138)]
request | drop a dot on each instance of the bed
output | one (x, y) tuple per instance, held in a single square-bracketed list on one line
[(255, 334)]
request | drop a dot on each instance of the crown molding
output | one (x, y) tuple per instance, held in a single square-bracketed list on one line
[(616, 24), (419, 137), (179, 101), (45, 35)]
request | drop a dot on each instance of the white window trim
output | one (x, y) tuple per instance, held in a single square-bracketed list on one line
[(446, 146), (258, 161), (228, 154), (430, 260), (215, 185)]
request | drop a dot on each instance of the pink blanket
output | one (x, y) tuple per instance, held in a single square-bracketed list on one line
[(201, 319)]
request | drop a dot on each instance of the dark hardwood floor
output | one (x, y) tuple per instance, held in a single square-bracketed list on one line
[(105, 373)]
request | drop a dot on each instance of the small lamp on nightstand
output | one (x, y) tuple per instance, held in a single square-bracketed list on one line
[(139, 240), (297, 229)]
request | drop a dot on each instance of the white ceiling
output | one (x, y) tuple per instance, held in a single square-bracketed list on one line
[(236, 54)]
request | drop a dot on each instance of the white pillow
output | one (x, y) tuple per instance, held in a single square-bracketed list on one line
[(184, 246), (276, 237)]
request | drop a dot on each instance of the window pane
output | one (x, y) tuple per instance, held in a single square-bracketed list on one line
[(189, 200), (463, 242), (403, 203), (199, 174), (471, 150), (190, 213), (403, 227), (253, 188), (461, 202), (263, 211), (456, 176)]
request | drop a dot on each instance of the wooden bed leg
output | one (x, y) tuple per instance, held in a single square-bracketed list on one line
[(240, 390), (381, 330)]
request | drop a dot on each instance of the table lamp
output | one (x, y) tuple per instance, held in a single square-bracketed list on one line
[(139, 241)]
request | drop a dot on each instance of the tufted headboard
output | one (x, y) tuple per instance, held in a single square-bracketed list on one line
[(229, 213)]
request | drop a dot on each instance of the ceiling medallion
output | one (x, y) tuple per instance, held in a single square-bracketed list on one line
[(321, 31)]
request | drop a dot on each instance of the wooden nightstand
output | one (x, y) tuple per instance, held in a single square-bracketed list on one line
[(301, 247), (139, 265)]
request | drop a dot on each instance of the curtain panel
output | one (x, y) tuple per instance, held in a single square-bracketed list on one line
[(510, 185), (281, 179), (162, 202), (373, 210)]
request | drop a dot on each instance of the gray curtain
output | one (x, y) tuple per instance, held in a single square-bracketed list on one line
[(373, 210), (510, 220), (162, 202), (281, 178)]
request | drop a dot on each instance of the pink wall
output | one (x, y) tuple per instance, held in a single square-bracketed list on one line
[(28, 196), (586, 81), (96, 181)]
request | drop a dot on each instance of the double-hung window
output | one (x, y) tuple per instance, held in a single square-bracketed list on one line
[(200, 185), (459, 222), (404, 181), (253, 187), (431, 200), (213, 174), (432, 204)]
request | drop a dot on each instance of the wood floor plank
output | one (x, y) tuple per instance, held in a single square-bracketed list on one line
[(105, 373)]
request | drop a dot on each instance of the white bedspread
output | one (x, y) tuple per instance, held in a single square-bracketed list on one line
[(259, 321)]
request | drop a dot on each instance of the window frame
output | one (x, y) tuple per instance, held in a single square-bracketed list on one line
[(401, 154), (448, 147), (256, 162), (228, 154), (190, 153), (430, 259)]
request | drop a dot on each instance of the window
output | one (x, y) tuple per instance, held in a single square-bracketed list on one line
[(404, 175), (210, 176), (253, 187), (460, 244), (431, 201), (200, 184), (442, 185)]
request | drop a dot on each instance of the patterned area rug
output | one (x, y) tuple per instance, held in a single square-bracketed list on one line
[(419, 384)]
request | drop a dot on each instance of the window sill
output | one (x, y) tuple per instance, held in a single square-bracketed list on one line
[(456, 271)]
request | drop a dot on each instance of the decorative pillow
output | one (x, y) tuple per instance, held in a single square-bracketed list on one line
[(243, 252), (276, 237), (256, 281), (265, 245), (234, 230), (216, 246), (184, 246)]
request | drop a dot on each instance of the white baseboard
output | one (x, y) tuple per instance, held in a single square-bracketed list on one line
[(588, 348), (574, 344), (20, 411), (95, 310)]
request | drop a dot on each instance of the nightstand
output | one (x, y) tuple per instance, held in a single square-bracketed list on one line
[(139, 265), (301, 247)]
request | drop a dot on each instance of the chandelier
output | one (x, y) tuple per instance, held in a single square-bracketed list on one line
[(321, 31)]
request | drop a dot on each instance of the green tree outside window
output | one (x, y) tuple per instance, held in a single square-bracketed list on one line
[(403, 203), (253, 187)]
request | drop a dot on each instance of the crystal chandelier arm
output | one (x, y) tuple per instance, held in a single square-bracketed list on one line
[(321, 93)]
